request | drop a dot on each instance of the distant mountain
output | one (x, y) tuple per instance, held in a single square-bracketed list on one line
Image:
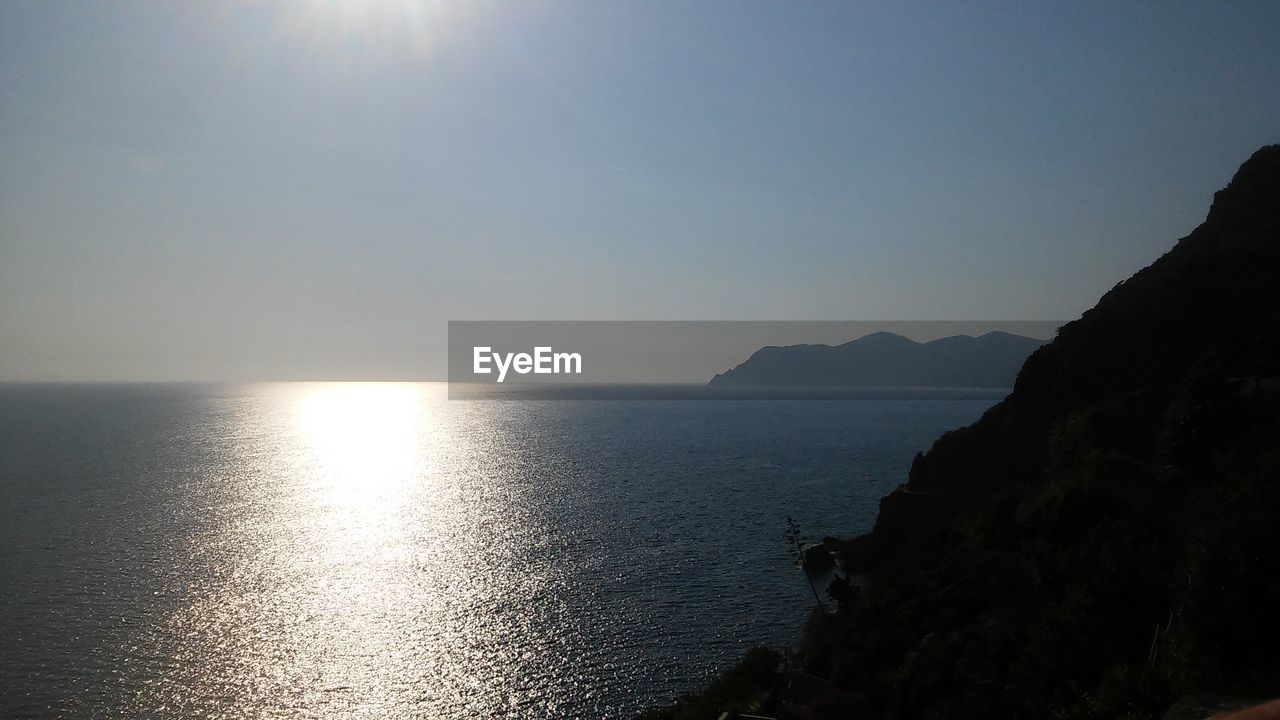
[(884, 359)]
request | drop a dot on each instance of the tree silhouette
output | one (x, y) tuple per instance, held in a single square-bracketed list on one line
[(796, 541)]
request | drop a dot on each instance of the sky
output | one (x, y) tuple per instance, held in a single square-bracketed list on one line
[(311, 189)]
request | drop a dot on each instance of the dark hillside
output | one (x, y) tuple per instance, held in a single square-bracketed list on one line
[(1103, 542), (1215, 297)]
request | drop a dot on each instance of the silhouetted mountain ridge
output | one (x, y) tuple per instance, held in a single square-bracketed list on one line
[(884, 359), (1101, 543)]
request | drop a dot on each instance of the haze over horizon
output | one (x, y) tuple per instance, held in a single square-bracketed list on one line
[(310, 190)]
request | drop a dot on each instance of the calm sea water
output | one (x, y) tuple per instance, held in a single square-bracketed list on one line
[(376, 550)]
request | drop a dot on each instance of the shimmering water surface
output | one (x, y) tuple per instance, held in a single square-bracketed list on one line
[(376, 550)]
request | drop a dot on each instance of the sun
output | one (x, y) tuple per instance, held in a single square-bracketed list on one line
[(383, 25)]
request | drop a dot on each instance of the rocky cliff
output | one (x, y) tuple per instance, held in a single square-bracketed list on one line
[(1100, 544), (1213, 298)]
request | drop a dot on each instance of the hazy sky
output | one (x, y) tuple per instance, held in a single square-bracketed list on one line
[(311, 188)]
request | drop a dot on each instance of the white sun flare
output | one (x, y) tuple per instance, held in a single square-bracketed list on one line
[(382, 25), (364, 439)]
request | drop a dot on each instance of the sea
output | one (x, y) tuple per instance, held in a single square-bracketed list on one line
[(379, 550)]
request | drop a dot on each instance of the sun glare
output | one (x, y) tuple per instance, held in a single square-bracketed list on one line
[(365, 438), (376, 25)]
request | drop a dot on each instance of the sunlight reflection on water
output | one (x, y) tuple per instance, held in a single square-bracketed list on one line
[(345, 577), (376, 550)]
